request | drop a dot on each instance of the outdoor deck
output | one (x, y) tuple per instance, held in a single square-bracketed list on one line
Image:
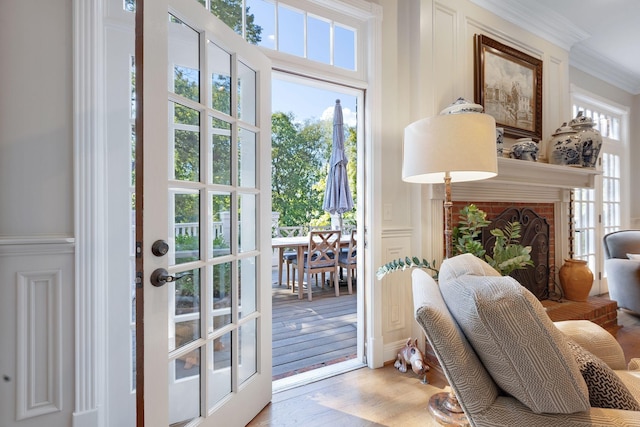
[(311, 334)]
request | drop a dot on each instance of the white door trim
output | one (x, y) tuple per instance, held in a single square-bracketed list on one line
[(89, 222)]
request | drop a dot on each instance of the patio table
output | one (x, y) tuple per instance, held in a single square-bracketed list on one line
[(299, 243)]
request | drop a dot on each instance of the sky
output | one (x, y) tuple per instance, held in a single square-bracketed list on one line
[(307, 102)]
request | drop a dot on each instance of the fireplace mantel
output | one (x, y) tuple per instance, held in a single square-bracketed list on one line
[(523, 181), (513, 171)]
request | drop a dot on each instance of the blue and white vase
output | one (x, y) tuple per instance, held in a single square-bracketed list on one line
[(590, 139), (564, 147), (525, 149), (500, 141)]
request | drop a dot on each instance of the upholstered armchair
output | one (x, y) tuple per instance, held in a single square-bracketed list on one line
[(509, 365), (623, 273)]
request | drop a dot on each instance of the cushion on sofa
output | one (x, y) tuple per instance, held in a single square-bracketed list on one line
[(526, 355), (606, 390)]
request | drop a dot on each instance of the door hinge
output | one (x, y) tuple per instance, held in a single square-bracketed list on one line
[(138, 279), (138, 249)]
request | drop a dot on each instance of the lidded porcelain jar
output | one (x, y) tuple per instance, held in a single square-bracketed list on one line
[(525, 149), (461, 105), (564, 147), (590, 139)]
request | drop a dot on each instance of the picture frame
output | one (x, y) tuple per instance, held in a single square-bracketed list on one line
[(508, 84)]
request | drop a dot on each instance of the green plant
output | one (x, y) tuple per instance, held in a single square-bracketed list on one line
[(508, 253), (403, 264), (466, 235)]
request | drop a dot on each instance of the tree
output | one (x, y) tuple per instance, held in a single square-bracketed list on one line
[(300, 165), (230, 12), (296, 167)]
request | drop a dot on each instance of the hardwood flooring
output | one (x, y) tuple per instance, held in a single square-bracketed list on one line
[(383, 397)]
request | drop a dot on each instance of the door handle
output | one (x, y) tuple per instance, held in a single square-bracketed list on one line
[(160, 277)]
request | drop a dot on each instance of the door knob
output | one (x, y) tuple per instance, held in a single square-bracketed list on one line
[(160, 277)]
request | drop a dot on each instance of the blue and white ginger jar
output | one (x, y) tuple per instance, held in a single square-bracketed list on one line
[(564, 147), (590, 139)]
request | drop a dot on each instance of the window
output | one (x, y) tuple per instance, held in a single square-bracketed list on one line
[(280, 26), (601, 210)]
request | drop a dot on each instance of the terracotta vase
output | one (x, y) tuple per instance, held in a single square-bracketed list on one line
[(576, 279)]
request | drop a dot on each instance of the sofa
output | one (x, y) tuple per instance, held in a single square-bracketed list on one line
[(509, 364), (622, 265)]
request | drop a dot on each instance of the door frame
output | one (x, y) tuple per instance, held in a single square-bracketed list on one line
[(90, 189)]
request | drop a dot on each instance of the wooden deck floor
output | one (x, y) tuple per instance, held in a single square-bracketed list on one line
[(311, 334)]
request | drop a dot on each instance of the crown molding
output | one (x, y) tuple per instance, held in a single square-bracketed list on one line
[(558, 30), (586, 60), (538, 20)]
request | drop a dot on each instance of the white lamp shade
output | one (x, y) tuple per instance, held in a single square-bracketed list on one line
[(462, 145)]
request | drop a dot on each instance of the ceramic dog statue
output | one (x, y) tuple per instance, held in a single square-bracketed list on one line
[(411, 354)]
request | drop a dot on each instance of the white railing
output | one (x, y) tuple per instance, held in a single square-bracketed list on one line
[(193, 229)]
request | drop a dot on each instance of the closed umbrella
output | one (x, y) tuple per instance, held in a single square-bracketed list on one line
[(337, 195)]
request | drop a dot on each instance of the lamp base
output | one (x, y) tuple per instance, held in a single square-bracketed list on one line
[(446, 410)]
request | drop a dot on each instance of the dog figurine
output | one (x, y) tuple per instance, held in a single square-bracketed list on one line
[(411, 354)]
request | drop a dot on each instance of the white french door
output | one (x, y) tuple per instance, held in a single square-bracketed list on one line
[(205, 208)]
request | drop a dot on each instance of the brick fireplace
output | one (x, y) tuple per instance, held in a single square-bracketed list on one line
[(541, 187)]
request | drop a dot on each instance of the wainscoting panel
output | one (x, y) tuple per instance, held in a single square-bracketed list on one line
[(37, 350), (445, 46), (397, 304), (38, 380)]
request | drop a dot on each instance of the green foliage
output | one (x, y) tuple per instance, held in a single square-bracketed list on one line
[(230, 12), (299, 166), (508, 254), (401, 264), (466, 234)]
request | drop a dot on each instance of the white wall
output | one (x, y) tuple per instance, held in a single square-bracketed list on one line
[(35, 118), (36, 214)]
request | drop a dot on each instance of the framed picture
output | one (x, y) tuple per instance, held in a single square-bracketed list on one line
[(508, 84)]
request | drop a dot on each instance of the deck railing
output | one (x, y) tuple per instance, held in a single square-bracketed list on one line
[(193, 229)]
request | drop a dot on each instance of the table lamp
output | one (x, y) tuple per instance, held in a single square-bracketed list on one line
[(449, 148)]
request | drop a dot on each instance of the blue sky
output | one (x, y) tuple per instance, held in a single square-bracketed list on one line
[(307, 102)]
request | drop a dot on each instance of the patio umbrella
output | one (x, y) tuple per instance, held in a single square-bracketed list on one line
[(337, 195)]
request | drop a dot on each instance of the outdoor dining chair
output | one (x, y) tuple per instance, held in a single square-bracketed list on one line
[(321, 258), (348, 259), (288, 255)]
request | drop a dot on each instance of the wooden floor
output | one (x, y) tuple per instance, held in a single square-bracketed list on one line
[(312, 334), (383, 397)]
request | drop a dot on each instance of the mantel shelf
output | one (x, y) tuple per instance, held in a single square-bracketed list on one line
[(513, 171)]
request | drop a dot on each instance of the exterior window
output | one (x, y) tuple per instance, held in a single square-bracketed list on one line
[(601, 210), (275, 25)]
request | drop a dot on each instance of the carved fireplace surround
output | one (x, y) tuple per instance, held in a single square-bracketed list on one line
[(519, 183)]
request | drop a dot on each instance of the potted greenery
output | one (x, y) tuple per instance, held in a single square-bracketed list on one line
[(508, 254)]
